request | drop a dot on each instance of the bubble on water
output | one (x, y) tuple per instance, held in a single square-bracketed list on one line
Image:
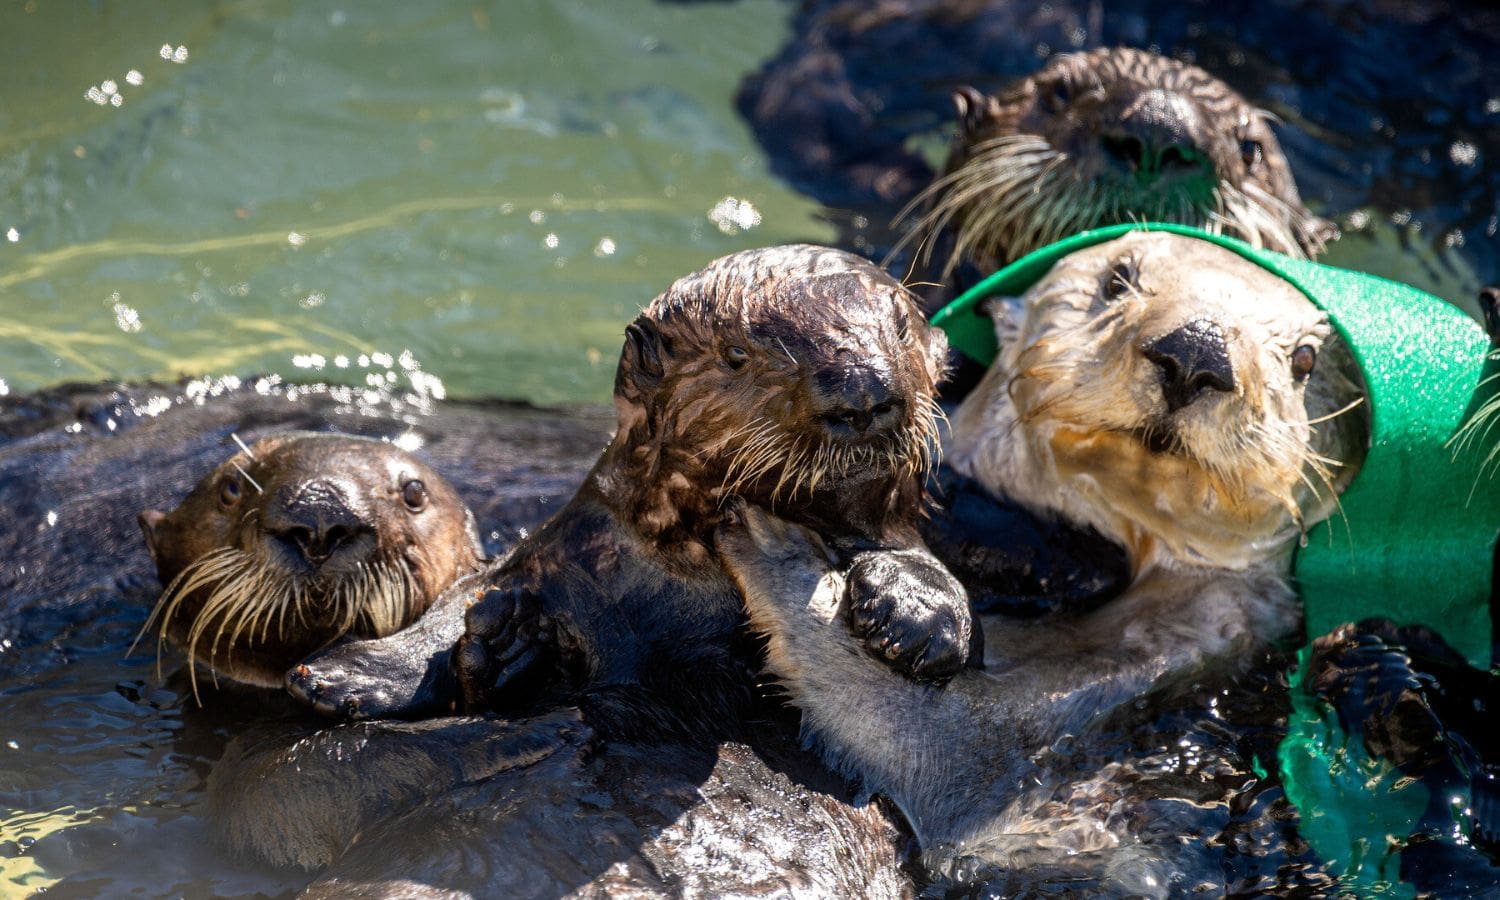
[(296, 239), (12, 235), (733, 215), (134, 77), (1463, 153), (127, 319)]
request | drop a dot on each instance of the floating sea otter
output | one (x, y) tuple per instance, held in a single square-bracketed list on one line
[(1189, 405), (298, 541)]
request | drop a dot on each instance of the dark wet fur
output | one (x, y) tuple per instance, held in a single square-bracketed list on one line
[(1409, 698), (1015, 563)]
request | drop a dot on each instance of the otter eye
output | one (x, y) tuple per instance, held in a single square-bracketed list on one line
[(229, 491), (414, 495), (1251, 153), (1303, 360), (1121, 279), (1059, 95), (736, 356)]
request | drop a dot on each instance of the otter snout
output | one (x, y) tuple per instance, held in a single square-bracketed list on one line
[(1194, 358), (1153, 137), (855, 401), (315, 521)]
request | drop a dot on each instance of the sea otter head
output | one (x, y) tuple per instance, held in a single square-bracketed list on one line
[(1172, 394), (799, 378), (1110, 136), (298, 540)]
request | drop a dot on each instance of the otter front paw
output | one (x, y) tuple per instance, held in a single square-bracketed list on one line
[(506, 638), (372, 679), (910, 611)]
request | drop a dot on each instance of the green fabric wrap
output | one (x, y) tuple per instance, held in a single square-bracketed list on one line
[(1416, 536)]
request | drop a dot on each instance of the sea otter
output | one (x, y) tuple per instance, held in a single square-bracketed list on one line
[(1104, 137), (798, 378), (299, 540), (1193, 408)]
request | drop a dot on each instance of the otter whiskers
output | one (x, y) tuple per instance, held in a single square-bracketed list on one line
[(1016, 193), (245, 598)]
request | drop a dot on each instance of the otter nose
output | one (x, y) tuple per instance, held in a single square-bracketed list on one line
[(856, 400), (1192, 359), (1153, 137), (317, 520)]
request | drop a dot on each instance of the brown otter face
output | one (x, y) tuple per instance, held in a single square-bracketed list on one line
[(799, 378), (1110, 136), (299, 540), (1175, 395)]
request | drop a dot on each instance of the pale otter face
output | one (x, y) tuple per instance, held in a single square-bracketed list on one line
[(299, 540), (1177, 396), (1109, 136), (800, 378)]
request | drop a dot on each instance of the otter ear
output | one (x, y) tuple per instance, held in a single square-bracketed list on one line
[(937, 355), (150, 520), (642, 359), (1489, 304), (1007, 313), (974, 108)]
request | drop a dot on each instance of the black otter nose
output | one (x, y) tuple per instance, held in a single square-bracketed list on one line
[(317, 520), (856, 400), (1154, 136), (1192, 359)]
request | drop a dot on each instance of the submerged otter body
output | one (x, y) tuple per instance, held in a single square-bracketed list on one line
[(1163, 391), (1410, 700)]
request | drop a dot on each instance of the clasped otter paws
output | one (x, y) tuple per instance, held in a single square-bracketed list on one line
[(910, 612), (505, 638)]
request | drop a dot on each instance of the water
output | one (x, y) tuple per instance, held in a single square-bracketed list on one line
[(495, 189), (480, 197)]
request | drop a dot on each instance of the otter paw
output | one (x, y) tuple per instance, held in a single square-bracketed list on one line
[(506, 638), (368, 680), (910, 612)]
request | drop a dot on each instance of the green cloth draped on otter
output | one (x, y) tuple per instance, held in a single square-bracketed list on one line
[(1416, 536)]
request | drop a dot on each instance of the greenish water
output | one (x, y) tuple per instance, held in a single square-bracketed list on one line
[(493, 188)]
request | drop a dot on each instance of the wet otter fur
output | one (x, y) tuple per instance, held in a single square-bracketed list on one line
[(1103, 137), (798, 378), (299, 540), (1188, 405)]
